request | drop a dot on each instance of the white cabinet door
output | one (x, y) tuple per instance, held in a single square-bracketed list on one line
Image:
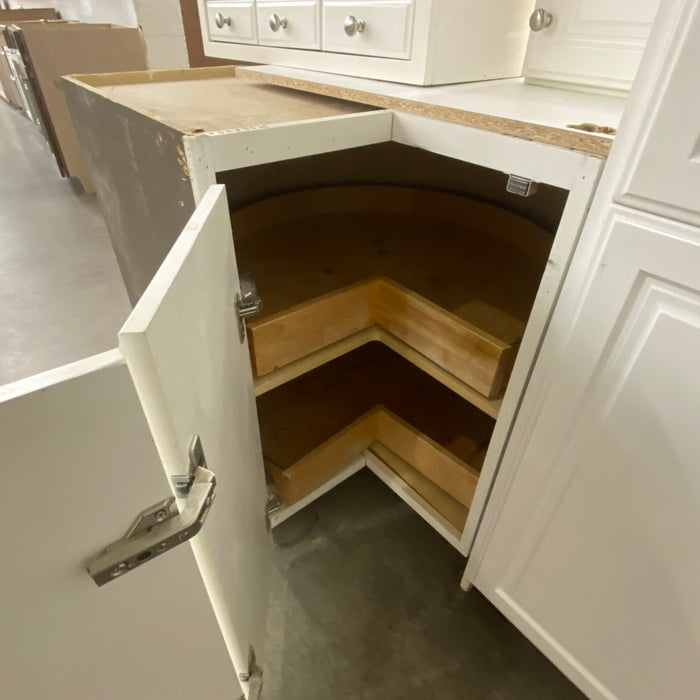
[(78, 466), (595, 553), (593, 43), (664, 176), (192, 373)]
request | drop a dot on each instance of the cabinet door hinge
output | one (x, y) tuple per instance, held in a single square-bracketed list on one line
[(161, 527), (247, 301), (253, 677)]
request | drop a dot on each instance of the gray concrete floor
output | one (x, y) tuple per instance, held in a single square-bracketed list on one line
[(61, 295), (365, 599), (366, 605)]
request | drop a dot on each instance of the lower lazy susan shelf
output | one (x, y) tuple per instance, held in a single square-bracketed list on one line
[(445, 281), (371, 398)]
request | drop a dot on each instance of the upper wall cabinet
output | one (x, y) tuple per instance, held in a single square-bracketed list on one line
[(593, 44), (423, 42)]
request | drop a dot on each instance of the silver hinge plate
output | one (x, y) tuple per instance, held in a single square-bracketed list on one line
[(247, 301), (182, 483), (253, 677), (522, 186), (156, 530), (273, 502)]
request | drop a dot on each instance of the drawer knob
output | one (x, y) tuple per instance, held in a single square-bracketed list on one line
[(540, 19), (354, 26), (276, 22), (220, 20)]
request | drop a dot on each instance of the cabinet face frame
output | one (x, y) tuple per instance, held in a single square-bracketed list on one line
[(220, 151)]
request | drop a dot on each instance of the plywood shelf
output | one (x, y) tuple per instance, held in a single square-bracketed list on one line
[(449, 279), (314, 425)]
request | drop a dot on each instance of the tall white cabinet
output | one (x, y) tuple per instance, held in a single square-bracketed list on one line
[(590, 542)]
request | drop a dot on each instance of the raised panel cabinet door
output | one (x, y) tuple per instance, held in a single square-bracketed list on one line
[(664, 175), (192, 373), (79, 465), (595, 553), (595, 43)]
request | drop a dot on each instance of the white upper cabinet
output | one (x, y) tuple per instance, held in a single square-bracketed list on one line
[(422, 42), (594, 44)]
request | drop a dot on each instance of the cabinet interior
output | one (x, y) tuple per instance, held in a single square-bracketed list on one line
[(392, 314)]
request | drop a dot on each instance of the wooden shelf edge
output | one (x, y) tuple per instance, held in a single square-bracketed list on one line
[(411, 497), (294, 334), (276, 378), (379, 425)]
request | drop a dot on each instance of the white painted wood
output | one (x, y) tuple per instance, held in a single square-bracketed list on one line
[(590, 43), (521, 379), (198, 152), (589, 541), (664, 173), (346, 472), (388, 27), (239, 149), (598, 540), (412, 41), (240, 22), (431, 516), (511, 99), (79, 465), (539, 162), (193, 377), (302, 29)]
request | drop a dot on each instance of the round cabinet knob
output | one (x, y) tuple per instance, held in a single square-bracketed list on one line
[(220, 20), (276, 22), (354, 26), (540, 19)]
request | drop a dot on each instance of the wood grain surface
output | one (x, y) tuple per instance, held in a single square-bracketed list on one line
[(314, 425)]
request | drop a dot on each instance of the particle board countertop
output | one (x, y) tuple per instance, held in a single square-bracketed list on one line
[(509, 106), (237, 98)]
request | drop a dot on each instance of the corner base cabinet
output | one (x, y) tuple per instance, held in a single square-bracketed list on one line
[(559, 453)]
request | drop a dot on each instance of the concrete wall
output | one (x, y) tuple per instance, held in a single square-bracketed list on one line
[(160, 22)]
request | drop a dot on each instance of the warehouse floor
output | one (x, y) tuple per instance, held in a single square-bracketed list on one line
[(365, 598), (61, 294)]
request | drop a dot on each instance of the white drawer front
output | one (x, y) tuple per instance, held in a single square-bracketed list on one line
[(295, 23), (377, 28), (237, 20)]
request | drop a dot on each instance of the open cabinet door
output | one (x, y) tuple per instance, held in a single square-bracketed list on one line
[(192, 373), (78, 466)]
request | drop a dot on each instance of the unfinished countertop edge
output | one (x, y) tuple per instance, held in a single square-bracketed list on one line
[(587, 143)]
